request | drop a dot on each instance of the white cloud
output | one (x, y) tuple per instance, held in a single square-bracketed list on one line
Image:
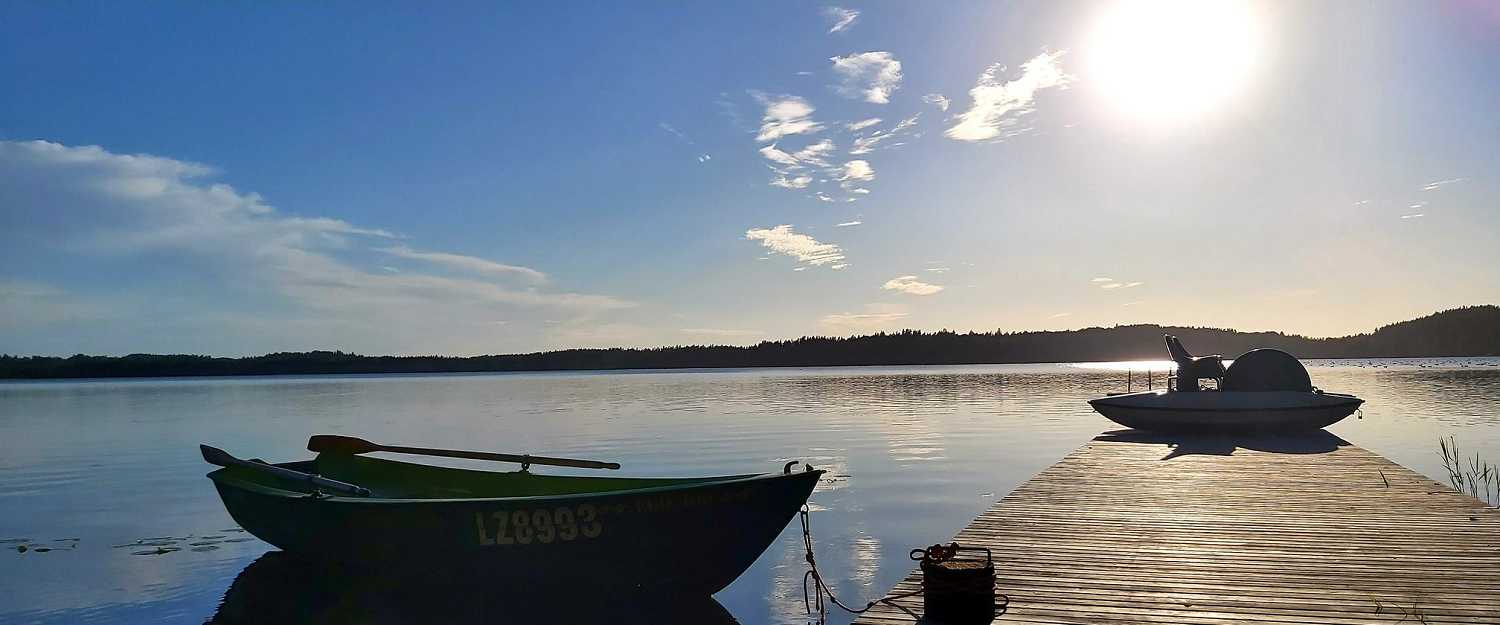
[(822, 197), (213, 246), (840, 18), (785, 116), (795, 182), (910, 285), (782, 240), (998, 105), (848, 223), (814, 154), (1060, 315), (467, 263), (1102, 280), (1414, 216), (871, 76), (867, 144), (857, 170), (704, 158), (776, 155), (939, 100), (1437, 184), (862, 124)]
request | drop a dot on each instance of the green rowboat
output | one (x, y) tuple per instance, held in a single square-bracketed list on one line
[(518, 527)]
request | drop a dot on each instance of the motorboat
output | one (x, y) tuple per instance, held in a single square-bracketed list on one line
[(1262, 391)]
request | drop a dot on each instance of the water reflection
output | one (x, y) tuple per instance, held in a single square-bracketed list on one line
[(1315, 442), (914, 453), (281, 589)]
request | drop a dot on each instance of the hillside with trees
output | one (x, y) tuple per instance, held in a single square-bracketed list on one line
[(1468, 331)]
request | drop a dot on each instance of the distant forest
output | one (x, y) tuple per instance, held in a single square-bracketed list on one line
[(1469, 331)]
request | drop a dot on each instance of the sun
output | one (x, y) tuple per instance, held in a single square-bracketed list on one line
[(1171, 60)]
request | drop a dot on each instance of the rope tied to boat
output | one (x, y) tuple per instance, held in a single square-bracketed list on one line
[(936, 586)]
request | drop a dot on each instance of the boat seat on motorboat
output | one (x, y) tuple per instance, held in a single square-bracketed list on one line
[(1191, 369)]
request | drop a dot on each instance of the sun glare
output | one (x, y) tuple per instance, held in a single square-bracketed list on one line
[(1167, 60)]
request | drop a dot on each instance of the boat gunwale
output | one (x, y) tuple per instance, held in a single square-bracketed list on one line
[(219, 478), (1346, 400)]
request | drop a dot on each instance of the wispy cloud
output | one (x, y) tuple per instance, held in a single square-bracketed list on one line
[(871, 76), (867, 144), (1120, 285), (722, 333), (939, 100), (846, 323), (782, 240), (1437, 184), (861, 124), (467, 263), (1060, 315), (998, 106), (793, 182), (317, 271), (1414, 216), (784, 116), (910, 285), (675, 132), (848, 223), (1102, 280), (840, 19)]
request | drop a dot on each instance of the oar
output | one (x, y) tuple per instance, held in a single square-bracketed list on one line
[(214, 455), (350, 445)]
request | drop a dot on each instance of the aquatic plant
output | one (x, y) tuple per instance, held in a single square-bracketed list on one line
[(1473, 476)]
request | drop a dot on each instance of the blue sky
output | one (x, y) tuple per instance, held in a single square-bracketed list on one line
[(236, 178)]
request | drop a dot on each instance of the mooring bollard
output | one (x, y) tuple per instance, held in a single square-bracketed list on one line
[(957, 590)]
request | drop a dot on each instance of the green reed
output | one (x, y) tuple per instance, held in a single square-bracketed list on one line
[(1473, 476)]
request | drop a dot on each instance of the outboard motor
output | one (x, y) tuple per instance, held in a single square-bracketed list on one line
[(1192, 368)]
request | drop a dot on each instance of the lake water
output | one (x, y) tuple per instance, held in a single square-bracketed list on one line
[(98, 478)]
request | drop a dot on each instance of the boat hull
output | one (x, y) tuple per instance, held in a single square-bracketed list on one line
[(695, 538), (1232, 412)]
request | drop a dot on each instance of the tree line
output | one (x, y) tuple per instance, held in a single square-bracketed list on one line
[(1468, 331)]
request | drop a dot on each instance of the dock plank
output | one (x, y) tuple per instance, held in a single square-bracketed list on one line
[(1139, 528)]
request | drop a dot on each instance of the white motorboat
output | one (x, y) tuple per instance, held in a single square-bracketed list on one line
[(1263, 390)]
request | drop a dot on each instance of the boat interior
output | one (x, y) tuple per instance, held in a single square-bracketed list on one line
[(392, 479)]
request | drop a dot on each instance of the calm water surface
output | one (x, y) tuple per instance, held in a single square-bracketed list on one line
[(97, 477)]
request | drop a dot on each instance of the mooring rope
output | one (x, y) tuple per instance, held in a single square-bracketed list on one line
[(822, 588)]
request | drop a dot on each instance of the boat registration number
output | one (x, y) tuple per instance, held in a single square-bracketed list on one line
[(538, 525)]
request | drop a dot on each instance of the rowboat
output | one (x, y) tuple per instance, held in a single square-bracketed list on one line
[(517, 528), (1262, 391)]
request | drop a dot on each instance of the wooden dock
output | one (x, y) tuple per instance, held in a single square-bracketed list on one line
[(1132, 528)]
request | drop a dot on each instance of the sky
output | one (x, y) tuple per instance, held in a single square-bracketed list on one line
[(463, 178)]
